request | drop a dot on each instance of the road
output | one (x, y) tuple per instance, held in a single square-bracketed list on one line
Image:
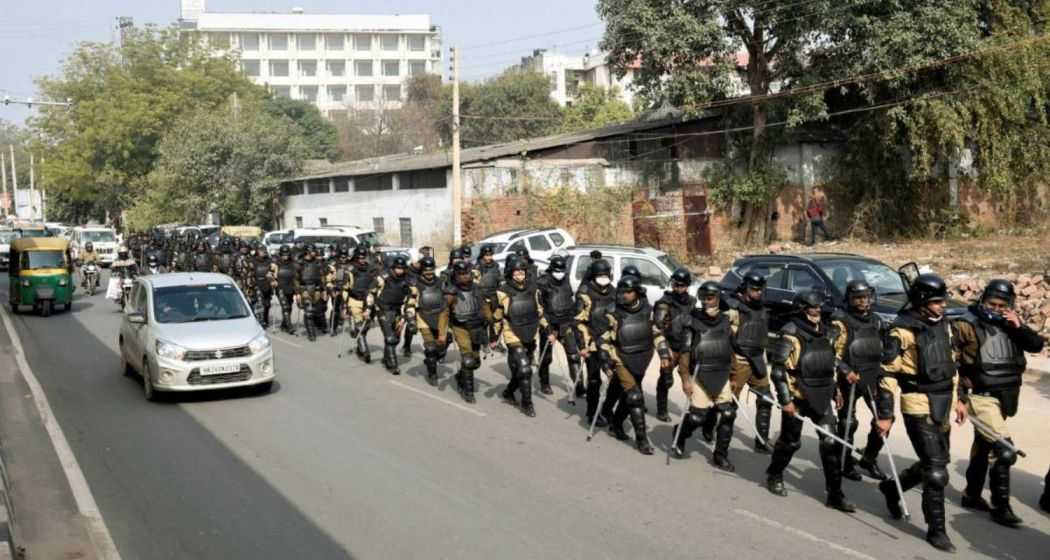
[(344, 460)]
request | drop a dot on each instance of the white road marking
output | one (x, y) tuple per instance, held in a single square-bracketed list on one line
[(97, 530), (803, 534), (288, 342), (439, 399)]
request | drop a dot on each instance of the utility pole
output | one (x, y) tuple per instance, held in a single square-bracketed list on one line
[(14, 180), (3, 176), (43, 193), (32, 186), (457, 173)]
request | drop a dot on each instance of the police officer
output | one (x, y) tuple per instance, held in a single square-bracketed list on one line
[(992, 342), (262, 279), (337, 283), (415, 270), (706, 386), (520, 316), (227, 261), (359, 301), (432, 323), (629, 343), (673, 312), (559, 306), (592, 299), (466, 312), (859, 352), (285, 285), (803, 375), (243, 266), (310, 284), (394, 306), (202, 259), (921, 362), (454, 256), (487, 276), (533, 271), (750, 321)]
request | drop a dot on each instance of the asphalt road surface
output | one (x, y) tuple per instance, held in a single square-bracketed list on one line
[(344, 460)]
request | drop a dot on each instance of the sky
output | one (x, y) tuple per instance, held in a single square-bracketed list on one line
[(36, 35)]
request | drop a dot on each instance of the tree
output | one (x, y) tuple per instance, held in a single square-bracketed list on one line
[(514, 106), (595, 107), (321, 135), (223, 161), (387, 130), (125, 99)]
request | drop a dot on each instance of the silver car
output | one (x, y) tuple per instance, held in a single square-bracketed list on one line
[(193, 332)]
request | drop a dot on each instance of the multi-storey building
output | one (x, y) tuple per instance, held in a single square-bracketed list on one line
[(335, 61), (568, 72)]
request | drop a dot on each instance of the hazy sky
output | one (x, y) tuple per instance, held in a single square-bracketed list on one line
[(35, 35)]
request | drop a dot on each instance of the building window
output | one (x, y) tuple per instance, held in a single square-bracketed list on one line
[(406, 232), (249, 41), (219, 40), (417, 43), (323, 221), (317, 186), (279, 68), (306, 42), (278, 42), (335, 41), (417, 67), (362, 43), (377, 225), (389, 42), (250, 68), (281, 91), (426, 179), (299, 222), (336, 68), (336, 93), (374, 183), (364, 94), (308, 68), (391, 68), (293, 189), (392, 93), (342, 185), (363, 68), (308, 93)]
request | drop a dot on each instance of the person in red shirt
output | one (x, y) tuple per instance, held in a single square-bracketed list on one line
[(815, 213)]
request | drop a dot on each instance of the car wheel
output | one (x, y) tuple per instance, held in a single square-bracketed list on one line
[(264, 388), (14, 308), (125, 365), (45, 308), (147, 382)]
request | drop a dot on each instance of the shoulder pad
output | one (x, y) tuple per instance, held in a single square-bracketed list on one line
[(968, 317), (833, 331), (610, 309), (839, 314), (780, 350), (449, 289), (789, 328), (732, 302)]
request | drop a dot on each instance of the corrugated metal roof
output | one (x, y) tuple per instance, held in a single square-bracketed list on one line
[(417, 162), (311, 22)]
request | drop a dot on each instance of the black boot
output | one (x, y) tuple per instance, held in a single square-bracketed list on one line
[(466, 386), (763, 413), (525, 388), (641, 437), (889, 491), (577, 380), (782, 454), (690, 422), (1044, 500), (977, 475), (508, 393), (775, 485), (545, 381), (390, 359), (616, 421), (432, 370), (724, 436), (663, 386), (362, 349), (933, 510), (707, 431), (830, 461), (1002, 513), (871, 467)]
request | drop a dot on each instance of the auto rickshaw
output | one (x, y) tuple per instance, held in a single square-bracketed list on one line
[(41, 273)]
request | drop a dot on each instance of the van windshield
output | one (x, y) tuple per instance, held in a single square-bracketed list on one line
[(98, 236)]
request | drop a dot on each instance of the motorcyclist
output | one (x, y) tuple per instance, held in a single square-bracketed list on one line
[(88, 256)]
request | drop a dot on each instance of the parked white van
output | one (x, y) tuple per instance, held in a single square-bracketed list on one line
[(104, 240)]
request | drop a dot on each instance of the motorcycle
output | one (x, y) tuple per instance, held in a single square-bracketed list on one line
[(90, 273), (127, 281)]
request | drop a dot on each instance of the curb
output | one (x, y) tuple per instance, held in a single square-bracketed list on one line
[(7, 514)]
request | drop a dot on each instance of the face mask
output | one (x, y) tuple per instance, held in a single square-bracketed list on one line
[(603, 281), (558, 275)]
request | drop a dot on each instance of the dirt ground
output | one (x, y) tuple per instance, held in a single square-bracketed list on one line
[(1026, 253)]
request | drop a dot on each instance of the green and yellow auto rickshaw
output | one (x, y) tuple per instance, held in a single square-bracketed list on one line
[(41, 273)]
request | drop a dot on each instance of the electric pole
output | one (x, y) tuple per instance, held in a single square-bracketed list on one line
[(3, 176), (32, 186), (457, 175), (14, 180)]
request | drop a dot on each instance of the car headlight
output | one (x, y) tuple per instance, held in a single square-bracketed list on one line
[(259, 343), (170, 351), (25, 283), (62, 282)]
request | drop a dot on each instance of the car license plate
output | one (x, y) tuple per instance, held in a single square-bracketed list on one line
[(219, 370)]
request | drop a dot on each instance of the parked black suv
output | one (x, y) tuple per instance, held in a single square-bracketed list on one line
[(787, 275)]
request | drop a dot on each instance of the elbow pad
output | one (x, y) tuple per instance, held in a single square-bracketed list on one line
[(778, 377), (884, 404), (842, 368), (891, 349), (663, 350)]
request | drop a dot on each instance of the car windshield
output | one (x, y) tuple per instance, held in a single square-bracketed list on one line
[(206, 302), (370, 237), (99, 236), (34, 233), (6, 237), (884, 279), (322, 239), (670, 262), (43, 259)]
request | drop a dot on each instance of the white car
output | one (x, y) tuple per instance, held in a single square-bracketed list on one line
[(6, 237), (656, 266), (103, 239), (541, 243), (193, 332)]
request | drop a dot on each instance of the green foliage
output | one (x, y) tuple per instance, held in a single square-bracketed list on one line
[(125, 99), (222, 161), (514, 106), (595, 107), (320, 134), (757, 185)]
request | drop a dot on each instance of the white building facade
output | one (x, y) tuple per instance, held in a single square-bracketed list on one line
[(568, 72), (336, 61)]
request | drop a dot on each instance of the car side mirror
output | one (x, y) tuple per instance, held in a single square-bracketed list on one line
[(137, 318)]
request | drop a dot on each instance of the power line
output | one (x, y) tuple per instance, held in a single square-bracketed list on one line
[(527, 37)]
